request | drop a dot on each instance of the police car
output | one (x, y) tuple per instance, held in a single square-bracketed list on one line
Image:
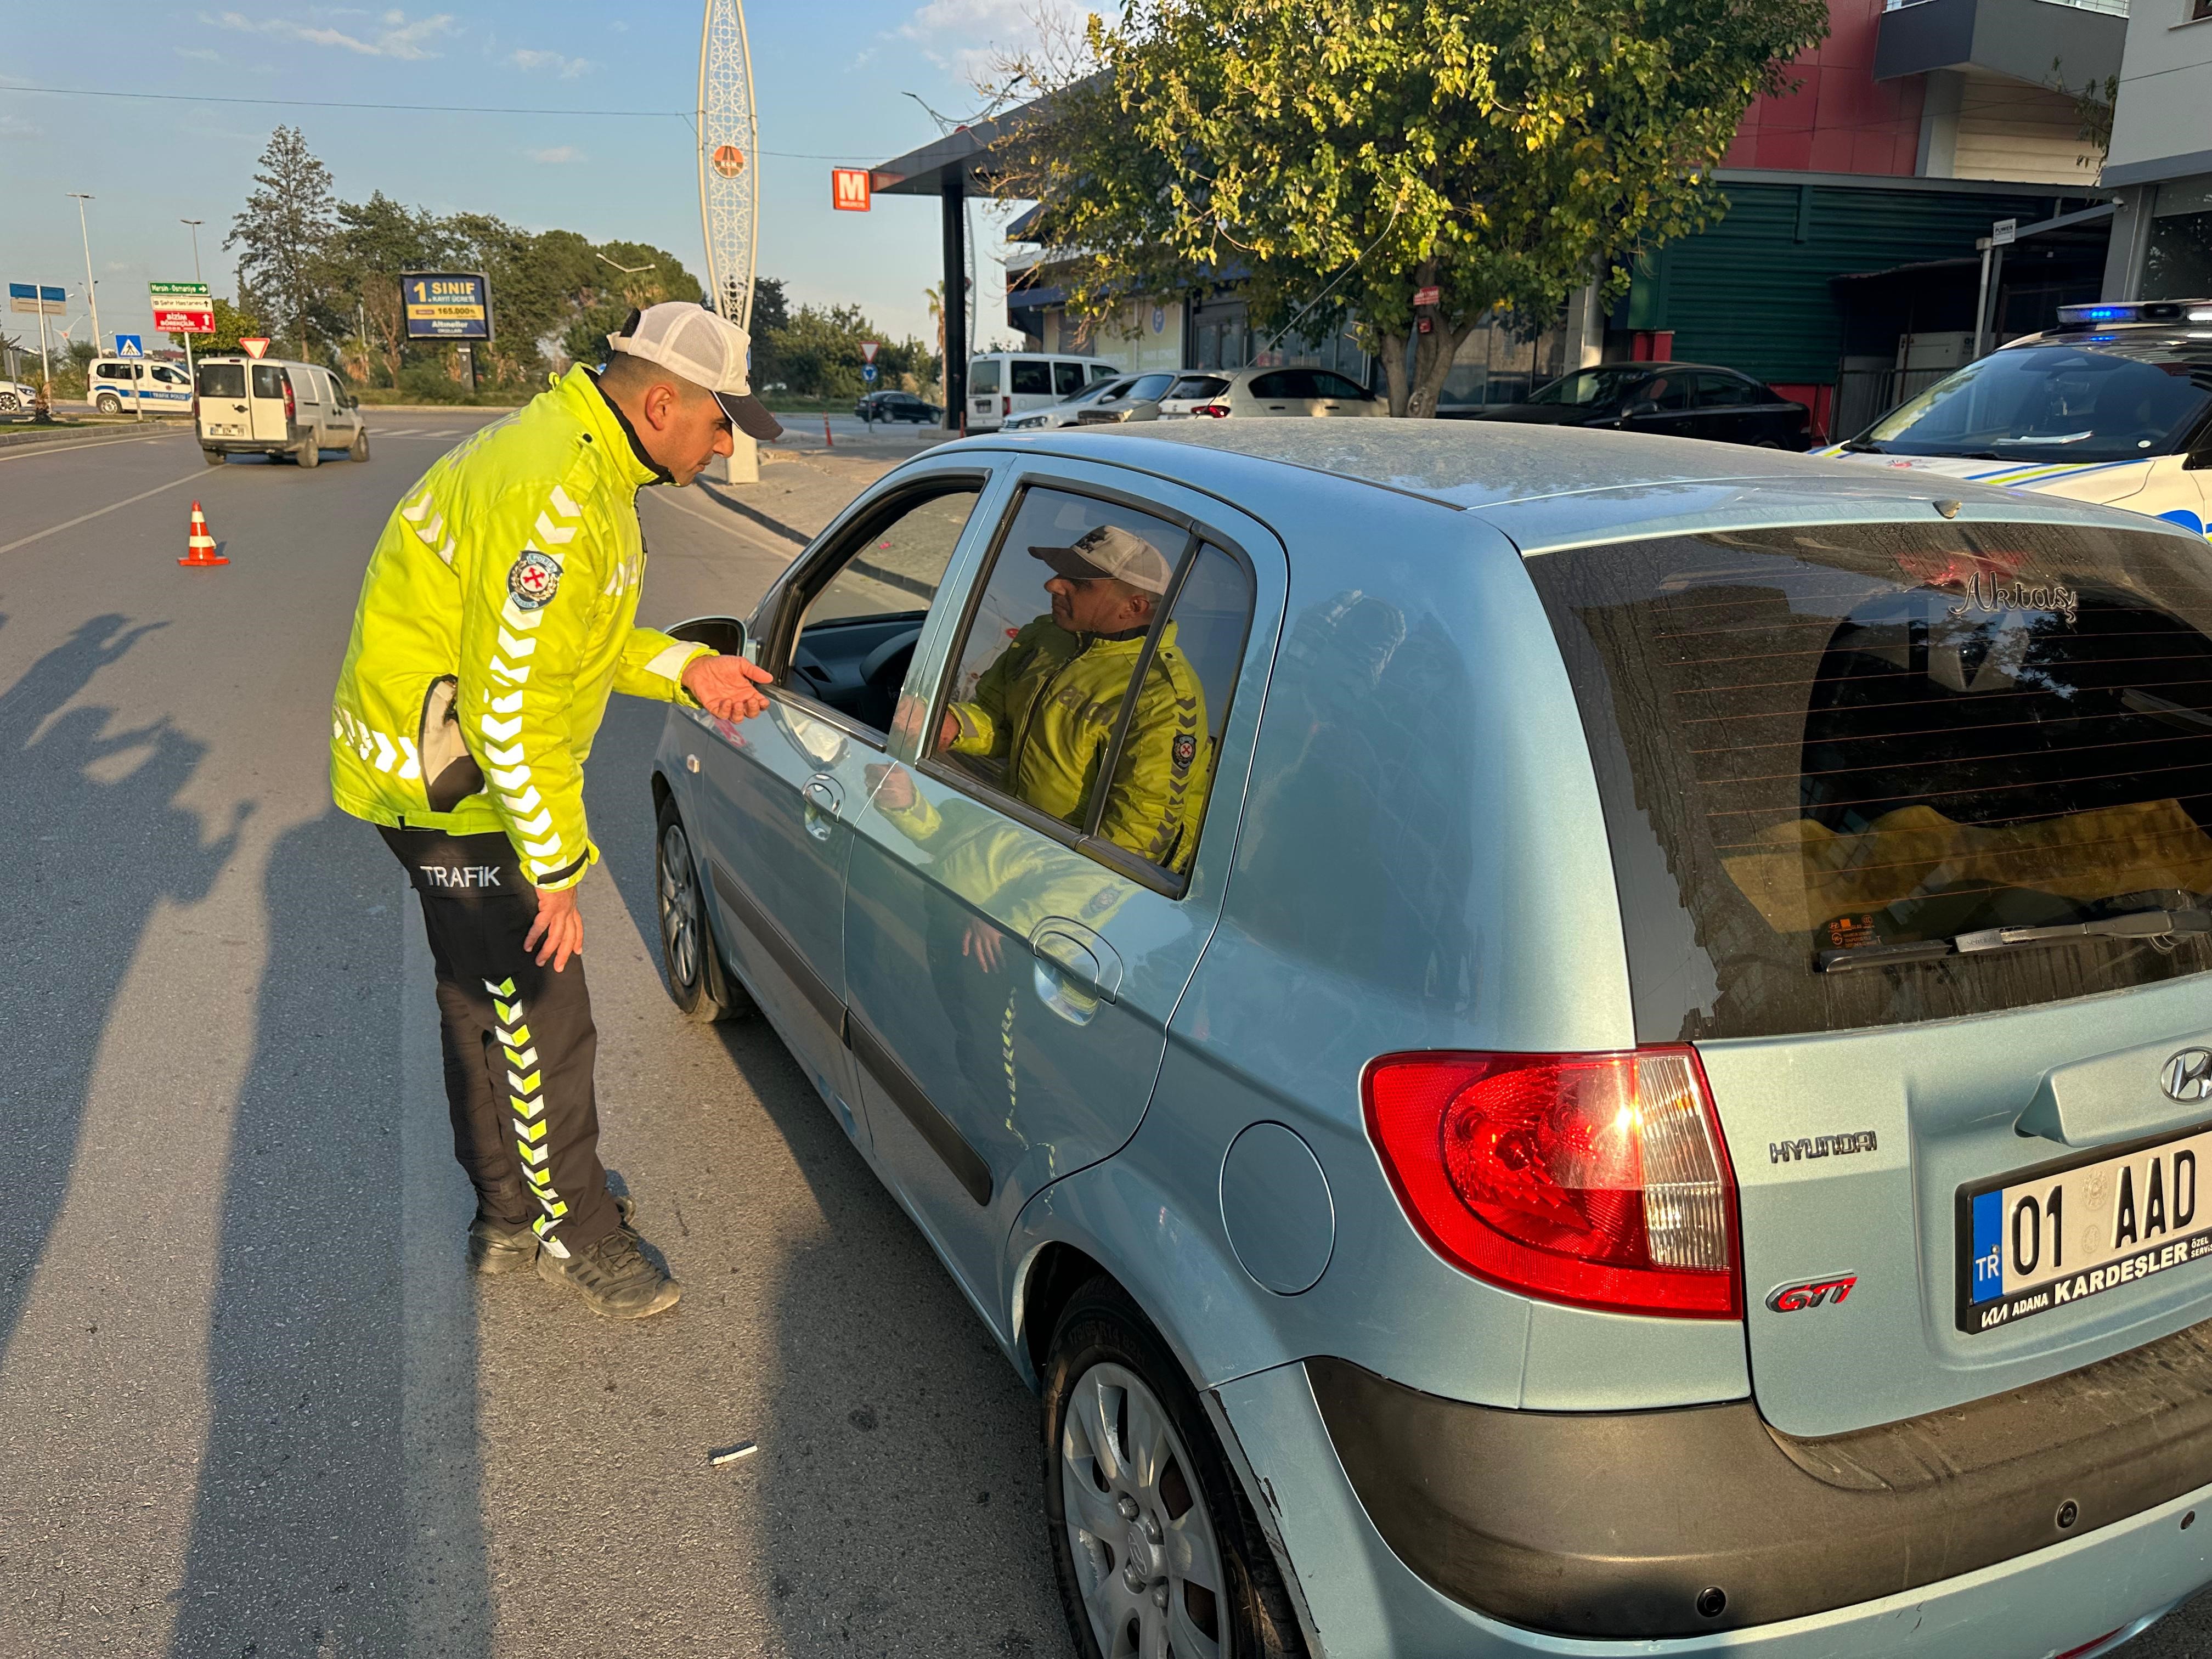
[(2112, 405)]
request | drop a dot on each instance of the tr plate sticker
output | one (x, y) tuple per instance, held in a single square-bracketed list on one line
[(533, 579)]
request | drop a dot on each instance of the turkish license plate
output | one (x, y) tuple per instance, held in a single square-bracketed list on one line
[(2067, 1231)]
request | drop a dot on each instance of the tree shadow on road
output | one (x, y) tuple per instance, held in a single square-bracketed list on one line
[(98, 842), (307, 1508)]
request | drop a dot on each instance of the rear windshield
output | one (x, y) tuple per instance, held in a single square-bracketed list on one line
[(1815, 740), (268, 380), (1198, 386), (222, 380), (2057, 403)]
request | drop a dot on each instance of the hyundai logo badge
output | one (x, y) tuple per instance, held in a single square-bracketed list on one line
[(2188, 1075)]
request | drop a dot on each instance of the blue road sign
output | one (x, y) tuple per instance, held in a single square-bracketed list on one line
[(127, 346), (868, 372)]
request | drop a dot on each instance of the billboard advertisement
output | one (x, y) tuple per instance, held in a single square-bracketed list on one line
[(446, 305)]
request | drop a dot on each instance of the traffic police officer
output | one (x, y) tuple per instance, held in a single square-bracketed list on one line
[(497, 616)]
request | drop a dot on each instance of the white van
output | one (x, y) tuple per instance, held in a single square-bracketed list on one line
[(1003, 383), (116, 384), (274, 407)]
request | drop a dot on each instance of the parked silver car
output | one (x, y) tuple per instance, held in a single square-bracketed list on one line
[(1542, 1043), (1292, 392)]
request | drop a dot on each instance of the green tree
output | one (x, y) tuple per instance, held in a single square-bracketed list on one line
[(1335, 155), (285, 234), (376, 242)]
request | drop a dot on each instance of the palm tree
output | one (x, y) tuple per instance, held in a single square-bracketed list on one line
[(935, 295)]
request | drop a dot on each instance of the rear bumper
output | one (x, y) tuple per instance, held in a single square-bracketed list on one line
[(1370, 1574)]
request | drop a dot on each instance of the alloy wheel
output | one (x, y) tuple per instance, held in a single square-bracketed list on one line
[(679, 907), (1144, 1547)]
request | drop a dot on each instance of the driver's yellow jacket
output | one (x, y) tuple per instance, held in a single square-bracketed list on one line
[(496, 617), (1049, 707)]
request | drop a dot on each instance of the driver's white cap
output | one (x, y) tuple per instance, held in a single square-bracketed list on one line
[(706, 349)]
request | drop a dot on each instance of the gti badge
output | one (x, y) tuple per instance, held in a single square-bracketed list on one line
[(2188, 1075), (1811, 1292)]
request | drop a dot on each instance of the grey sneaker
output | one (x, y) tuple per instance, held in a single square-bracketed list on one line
[(497, 1248), (614, 1278)]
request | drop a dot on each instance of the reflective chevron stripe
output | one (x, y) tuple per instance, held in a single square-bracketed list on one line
[(527, 1103)]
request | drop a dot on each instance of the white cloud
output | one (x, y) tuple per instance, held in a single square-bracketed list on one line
[(964, 36), (397, 35), (567, 67), (18, 126), (559, 155), (199, 54)]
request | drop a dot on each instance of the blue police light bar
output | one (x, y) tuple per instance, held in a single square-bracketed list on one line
[(2136, 310)]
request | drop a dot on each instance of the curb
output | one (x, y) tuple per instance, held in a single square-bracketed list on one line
[(28, 436)]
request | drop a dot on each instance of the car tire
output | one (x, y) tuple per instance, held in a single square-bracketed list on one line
[(108, 404), (1109, 1378), (309, 454), (213, 456), (697, 982), (358, 450)]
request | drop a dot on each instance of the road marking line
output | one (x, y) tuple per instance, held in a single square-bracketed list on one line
[(99, 512), (32, 452)]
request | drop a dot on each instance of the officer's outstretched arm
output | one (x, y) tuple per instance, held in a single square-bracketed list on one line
[(522, 628), (653, 665)]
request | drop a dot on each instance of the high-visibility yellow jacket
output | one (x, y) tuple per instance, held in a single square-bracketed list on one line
[(506, 585), (1049, 707)]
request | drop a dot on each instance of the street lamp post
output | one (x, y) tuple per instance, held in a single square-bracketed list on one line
[(192, 373), (91, 293)]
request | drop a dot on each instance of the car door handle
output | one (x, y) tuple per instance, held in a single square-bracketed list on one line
[(822, 802), (1079, 953)]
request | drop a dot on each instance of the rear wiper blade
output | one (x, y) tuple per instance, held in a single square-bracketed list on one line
[(2136, 924), (1860, 447)]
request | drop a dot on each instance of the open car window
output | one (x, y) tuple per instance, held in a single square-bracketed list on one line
[(857, 635)]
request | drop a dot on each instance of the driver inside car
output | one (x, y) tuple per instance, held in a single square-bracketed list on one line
[(1045, 712)]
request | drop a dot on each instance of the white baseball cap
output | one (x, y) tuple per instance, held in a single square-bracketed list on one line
[(706, 349), (1110, 550)]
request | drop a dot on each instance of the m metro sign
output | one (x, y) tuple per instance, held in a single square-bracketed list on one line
[(848, 189), (181, 307)]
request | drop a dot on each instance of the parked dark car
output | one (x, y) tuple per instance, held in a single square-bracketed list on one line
[(1676, 400), (895, 406)]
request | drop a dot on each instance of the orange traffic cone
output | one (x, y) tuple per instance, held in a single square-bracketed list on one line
[(201, 545)]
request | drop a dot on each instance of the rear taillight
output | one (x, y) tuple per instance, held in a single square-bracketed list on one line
[(291, 412), (1599, 1180), (1215, 409), (1006, 405)]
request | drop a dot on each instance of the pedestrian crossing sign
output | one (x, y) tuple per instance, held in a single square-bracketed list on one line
[(128, 345)]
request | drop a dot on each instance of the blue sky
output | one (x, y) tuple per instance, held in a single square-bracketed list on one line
[(830, 80)]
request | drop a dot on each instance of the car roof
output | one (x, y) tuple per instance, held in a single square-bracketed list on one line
[(2091, 337), (1551, 488)]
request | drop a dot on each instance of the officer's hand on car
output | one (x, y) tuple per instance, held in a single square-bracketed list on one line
[(559, 926), (726, 686)]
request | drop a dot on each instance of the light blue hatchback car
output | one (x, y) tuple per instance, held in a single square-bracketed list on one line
[(1542, 1043)]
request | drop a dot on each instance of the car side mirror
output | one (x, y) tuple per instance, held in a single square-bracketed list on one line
[(2200, 460), (1644, 406), (724, 633)]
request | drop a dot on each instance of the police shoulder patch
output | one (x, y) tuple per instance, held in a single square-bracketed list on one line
[(1185, 750), (533, 579)]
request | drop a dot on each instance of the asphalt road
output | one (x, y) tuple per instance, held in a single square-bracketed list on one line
[(250, 1404)]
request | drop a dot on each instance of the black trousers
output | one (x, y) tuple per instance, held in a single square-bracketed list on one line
[(518, 1042)]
